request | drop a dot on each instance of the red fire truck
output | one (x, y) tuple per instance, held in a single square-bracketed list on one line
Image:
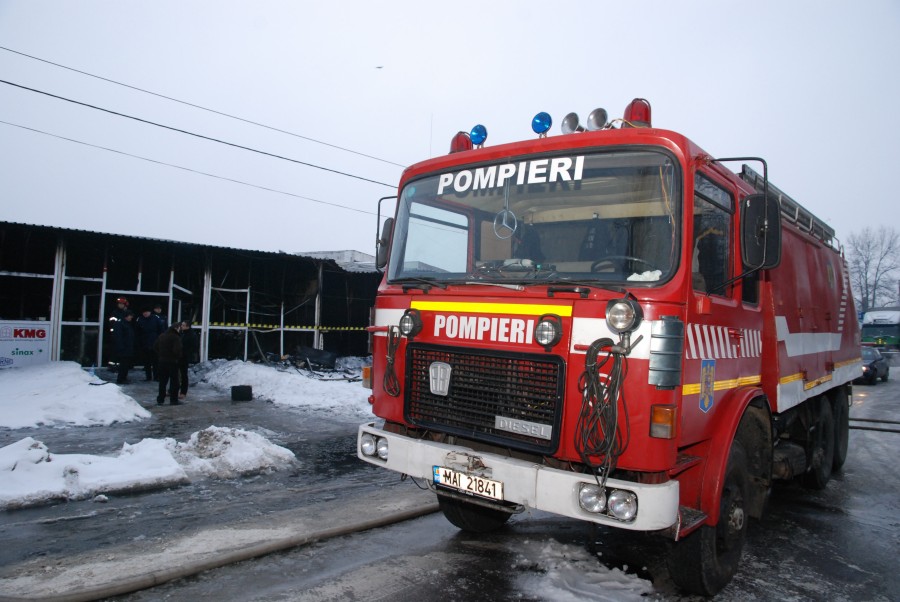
[(609, 325)]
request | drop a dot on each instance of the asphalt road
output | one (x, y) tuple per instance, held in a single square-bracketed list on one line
[(837, 544)]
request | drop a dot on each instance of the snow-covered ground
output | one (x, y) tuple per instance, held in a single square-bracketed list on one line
[(63, 395)]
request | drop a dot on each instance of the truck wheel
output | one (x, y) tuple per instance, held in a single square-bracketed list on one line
[(841, 428), (471, 517), (706, 560), (821, 448)]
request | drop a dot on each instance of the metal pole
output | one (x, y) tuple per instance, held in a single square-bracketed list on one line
[(59, 274), (204, 316)]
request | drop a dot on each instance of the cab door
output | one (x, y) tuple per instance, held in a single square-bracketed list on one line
[(722, 334)]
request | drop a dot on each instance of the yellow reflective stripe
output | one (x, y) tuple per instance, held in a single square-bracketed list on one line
[(518, 309), (790, 378), (722, 385)]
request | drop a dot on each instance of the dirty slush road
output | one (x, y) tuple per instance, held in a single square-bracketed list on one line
[(325, 446)]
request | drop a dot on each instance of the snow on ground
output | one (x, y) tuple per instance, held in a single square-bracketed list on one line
[(563, 573), (291, 386), (30, 474), (61, 393)]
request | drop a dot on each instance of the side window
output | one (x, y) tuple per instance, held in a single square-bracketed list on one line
[(713, 210)]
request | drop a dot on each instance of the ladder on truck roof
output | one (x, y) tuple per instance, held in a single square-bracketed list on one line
[(792, 211)]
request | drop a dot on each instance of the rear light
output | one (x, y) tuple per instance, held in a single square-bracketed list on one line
[(662, 421), (637, 113), (367, 377)]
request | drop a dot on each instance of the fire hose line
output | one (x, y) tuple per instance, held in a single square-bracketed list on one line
[(132, 583)]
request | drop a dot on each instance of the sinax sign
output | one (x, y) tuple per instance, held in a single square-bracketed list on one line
[(24, 343)]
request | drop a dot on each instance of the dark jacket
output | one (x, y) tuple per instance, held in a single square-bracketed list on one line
[(168, 346), (123, 333), (148, 330), (188, 345)]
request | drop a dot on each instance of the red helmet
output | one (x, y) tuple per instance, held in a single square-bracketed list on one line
[(122, 300)]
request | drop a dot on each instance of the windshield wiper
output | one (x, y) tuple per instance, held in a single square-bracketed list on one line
[(592, 284), (425, 284)]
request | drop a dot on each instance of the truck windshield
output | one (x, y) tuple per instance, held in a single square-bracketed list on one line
[(610, 217)]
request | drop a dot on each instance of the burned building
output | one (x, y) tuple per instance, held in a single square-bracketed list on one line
[(244, 304)]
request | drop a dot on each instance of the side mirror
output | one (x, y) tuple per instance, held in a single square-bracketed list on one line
[(760, 232), (383, 243)]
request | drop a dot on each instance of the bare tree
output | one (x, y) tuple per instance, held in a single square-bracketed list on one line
[(874, 260)]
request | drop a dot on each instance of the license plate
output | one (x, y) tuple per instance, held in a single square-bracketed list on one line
[(468, 483)]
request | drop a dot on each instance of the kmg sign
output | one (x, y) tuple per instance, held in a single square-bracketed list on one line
[(24, 343)]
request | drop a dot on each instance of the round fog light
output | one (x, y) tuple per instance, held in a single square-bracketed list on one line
[(548, 331), (592, 498), (623, 504), (367, 444), (381, 447)]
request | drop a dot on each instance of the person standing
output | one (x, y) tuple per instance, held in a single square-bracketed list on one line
[(123, 333), (149, 327), (188, 349), (168, 353)]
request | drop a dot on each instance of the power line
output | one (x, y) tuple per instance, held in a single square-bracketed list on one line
[(202, 108), (202, 173), (174, 129)]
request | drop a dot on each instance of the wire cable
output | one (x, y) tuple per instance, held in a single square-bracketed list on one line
[(202, 173), (600, 439), (202, 108), (196, 135)]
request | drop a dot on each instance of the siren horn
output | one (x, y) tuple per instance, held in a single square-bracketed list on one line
[(570, 124), (597, 120)]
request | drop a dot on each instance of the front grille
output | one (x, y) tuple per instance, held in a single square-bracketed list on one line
[(524, 388)]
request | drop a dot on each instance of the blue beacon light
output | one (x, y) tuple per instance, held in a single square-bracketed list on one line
[(541, 123), (478, 135)]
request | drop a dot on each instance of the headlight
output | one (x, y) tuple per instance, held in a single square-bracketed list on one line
[(410, 323), (548, 331), (623, 504), (592, 498), (381, 448), (623, 315), (367, 444)]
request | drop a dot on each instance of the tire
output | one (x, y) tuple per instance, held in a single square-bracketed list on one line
[(841, 429), (472, 518), (706, 560), (820, 448), (885, 377)]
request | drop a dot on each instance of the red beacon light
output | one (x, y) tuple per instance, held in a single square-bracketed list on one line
[(460, 142), (463, 141), (637, 114)]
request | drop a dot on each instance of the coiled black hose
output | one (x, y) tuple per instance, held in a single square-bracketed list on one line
[(599, 438)]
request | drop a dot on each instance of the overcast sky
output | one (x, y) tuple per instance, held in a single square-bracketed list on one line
[(812, 86)]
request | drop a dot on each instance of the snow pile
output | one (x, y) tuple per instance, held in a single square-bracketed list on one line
[(289, 387), (61, 393), (30, 474), (550, 570), (228, 452)]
